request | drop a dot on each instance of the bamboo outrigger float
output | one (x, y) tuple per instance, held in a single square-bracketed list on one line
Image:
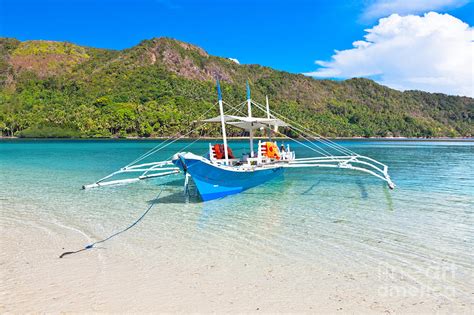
[(220, 174)]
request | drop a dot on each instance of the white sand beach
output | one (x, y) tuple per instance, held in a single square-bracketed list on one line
[(158, 278)]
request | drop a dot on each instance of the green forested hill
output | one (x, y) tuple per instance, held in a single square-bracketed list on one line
[(159, 86)]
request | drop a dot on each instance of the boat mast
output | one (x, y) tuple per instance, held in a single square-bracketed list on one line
[(268, 116), (249, 107), (268, 106), (221, 111)]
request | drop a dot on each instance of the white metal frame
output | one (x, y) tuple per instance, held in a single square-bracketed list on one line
[(354, 162), (147, 170)]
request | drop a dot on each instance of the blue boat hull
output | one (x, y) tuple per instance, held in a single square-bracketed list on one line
[(213, 182)]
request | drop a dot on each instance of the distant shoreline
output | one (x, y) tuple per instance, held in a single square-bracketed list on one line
[(440, 139)]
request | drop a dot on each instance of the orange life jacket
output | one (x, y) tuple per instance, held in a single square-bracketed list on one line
[(272, 151), (219, 151)]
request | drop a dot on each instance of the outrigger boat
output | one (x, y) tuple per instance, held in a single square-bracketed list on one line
[(220, 173)]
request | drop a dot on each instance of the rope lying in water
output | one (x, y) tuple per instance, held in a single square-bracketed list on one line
[(116, 233)]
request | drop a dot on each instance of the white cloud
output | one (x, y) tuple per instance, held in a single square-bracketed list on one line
[(235, 60), (380, 8), (434, 53)]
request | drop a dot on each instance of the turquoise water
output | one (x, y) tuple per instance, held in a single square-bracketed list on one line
[(422, 231)]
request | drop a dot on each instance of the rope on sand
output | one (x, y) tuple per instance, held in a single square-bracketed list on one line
[(116, 233)]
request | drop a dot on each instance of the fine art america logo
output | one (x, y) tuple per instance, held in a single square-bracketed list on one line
[(417, 281)]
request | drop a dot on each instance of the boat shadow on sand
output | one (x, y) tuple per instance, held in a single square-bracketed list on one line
[(175, 197), (174, 193)]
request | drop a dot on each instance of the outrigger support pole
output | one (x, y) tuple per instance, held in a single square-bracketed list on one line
[(146, 170)]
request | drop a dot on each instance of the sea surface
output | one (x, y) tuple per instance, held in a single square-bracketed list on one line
[(416, 240)]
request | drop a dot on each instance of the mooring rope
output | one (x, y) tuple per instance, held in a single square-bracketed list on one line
[(116, 233)]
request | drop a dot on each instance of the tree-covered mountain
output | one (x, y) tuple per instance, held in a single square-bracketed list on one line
[(160, 86)]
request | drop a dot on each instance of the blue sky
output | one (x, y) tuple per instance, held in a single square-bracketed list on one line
[(286, 35)]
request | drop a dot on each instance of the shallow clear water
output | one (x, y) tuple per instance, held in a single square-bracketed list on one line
[(421, 232)]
